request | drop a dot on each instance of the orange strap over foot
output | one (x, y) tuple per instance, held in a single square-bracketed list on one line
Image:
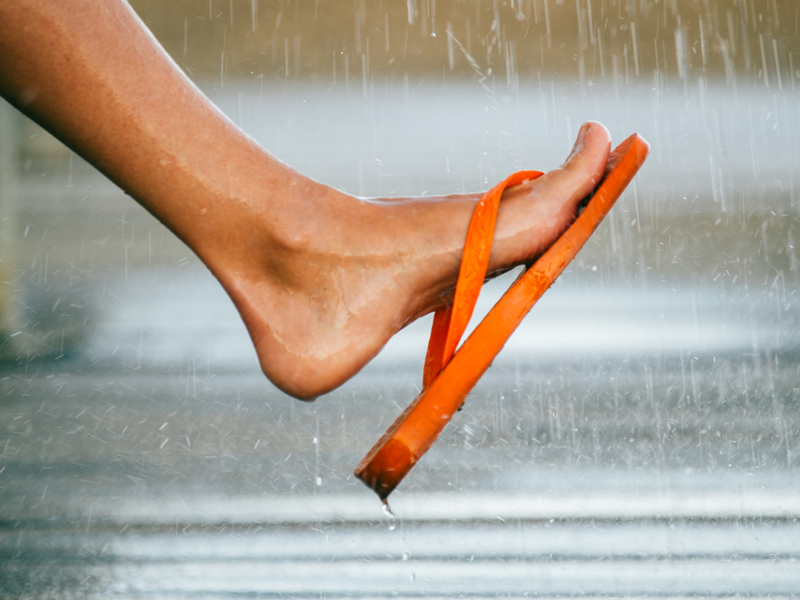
[(449, 323), (449, 375)]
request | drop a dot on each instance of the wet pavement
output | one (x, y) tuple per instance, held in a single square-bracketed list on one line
[(638, 435)]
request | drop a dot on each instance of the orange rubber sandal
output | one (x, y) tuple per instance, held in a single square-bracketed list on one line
[(449, 375)]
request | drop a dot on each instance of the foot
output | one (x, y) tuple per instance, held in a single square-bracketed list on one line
[(323, 279)]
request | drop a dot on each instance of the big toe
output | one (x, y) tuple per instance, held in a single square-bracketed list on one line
[(538, 212), (585, 165), (570, 183)]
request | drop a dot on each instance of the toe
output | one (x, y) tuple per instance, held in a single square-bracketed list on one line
[(584, 167), (533, 216)]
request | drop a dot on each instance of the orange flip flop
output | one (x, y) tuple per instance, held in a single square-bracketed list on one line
[(449, 375)]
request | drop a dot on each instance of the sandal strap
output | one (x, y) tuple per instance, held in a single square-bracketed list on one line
[(450, 322)]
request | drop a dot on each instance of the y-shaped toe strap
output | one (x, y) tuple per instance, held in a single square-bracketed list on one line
[(449, 323)]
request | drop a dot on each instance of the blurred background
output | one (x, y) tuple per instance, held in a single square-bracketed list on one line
[(639, 434)]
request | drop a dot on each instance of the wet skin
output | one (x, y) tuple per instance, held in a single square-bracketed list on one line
[(322, 279)]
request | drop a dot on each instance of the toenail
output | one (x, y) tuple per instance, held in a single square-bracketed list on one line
[(582, 134), (585, 128)]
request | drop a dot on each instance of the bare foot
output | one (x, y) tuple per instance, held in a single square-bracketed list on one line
[(323, 279)]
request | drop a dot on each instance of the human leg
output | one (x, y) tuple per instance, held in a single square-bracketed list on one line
[(322, 279)]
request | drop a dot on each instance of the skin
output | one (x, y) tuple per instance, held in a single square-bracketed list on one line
[(321, 279)]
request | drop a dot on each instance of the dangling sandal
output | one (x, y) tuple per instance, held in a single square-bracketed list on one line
[(449, 375)]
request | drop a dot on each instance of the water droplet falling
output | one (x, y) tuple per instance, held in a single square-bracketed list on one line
[(388, 512)]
